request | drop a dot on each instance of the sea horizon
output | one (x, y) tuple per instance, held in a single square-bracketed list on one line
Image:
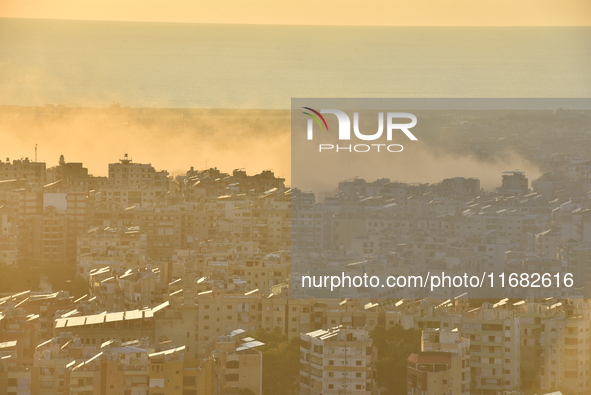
[(183, 65)]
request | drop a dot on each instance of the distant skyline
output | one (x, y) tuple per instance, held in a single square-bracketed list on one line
[(314, 12)]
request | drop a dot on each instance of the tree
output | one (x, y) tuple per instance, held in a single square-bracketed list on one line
[(394, 345), (59, 274), (281, 362), (17, 279)]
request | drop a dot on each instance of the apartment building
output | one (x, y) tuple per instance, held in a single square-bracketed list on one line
[(23, 169), (442, 366), (239, 364), (336, 360), (566, 350), (434, 372), (495, 357), (15, 378), (127, 174), (113, 247), (8, 237)]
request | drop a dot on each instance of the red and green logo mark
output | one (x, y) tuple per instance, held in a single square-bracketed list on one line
[(317, 117)]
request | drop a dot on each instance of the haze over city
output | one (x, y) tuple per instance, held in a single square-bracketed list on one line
[(170, 223)]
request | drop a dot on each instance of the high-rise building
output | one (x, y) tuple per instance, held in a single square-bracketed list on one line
[(566, 348), (495, 357)]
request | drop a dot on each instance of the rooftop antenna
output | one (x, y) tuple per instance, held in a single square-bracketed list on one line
[(35, 152)]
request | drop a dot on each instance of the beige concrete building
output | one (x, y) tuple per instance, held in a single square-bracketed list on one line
[(23, 169), (495, 357), (239, 364), (531, 319), (442, 366), (170, 372), (434, 373), (124, 248), (8, 237), (15, 378), (136, 175), (566, 345), (335, 361)]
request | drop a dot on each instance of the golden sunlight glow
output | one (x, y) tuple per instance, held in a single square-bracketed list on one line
[(314, 12)]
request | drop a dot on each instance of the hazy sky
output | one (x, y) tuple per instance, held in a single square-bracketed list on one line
[(314, 12)]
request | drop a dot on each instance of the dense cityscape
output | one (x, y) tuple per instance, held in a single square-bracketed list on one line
[(140, 283)]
